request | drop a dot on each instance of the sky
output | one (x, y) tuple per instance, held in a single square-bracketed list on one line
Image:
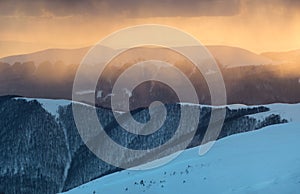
[(256, 25)]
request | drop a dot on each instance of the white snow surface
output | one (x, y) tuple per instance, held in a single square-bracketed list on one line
[(50, 105), (290, 112), (259, 162)]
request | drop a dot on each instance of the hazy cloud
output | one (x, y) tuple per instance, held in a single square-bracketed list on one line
[(136, 8), (283, 4), (129, 8), (258, 25)]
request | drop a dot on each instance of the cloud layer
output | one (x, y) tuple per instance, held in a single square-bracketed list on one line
[(257, 25), (130, 8)]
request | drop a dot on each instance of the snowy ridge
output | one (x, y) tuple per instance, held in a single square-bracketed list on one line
[(290, 112), (51, 105), (263, 161)]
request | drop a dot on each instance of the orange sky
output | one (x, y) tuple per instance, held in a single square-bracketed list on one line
[(250, 24)]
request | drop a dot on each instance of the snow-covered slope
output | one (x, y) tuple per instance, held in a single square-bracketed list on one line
[(290, 112), (59, 139), (263, 161), (50, 105)]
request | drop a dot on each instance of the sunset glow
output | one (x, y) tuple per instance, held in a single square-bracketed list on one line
[(258, 26)]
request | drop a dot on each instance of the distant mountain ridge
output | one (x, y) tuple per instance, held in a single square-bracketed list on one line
[(262, 82), (236, 57), (68, 56), (226, 55), (285, 57)]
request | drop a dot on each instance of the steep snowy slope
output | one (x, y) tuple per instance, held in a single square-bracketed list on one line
[(42, 152), (50, 105), (263, 161), (290, 112)]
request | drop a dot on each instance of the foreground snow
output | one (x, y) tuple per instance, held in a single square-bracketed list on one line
[(263, 161)]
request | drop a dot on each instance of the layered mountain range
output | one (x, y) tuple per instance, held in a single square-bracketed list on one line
[(249, 78)]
